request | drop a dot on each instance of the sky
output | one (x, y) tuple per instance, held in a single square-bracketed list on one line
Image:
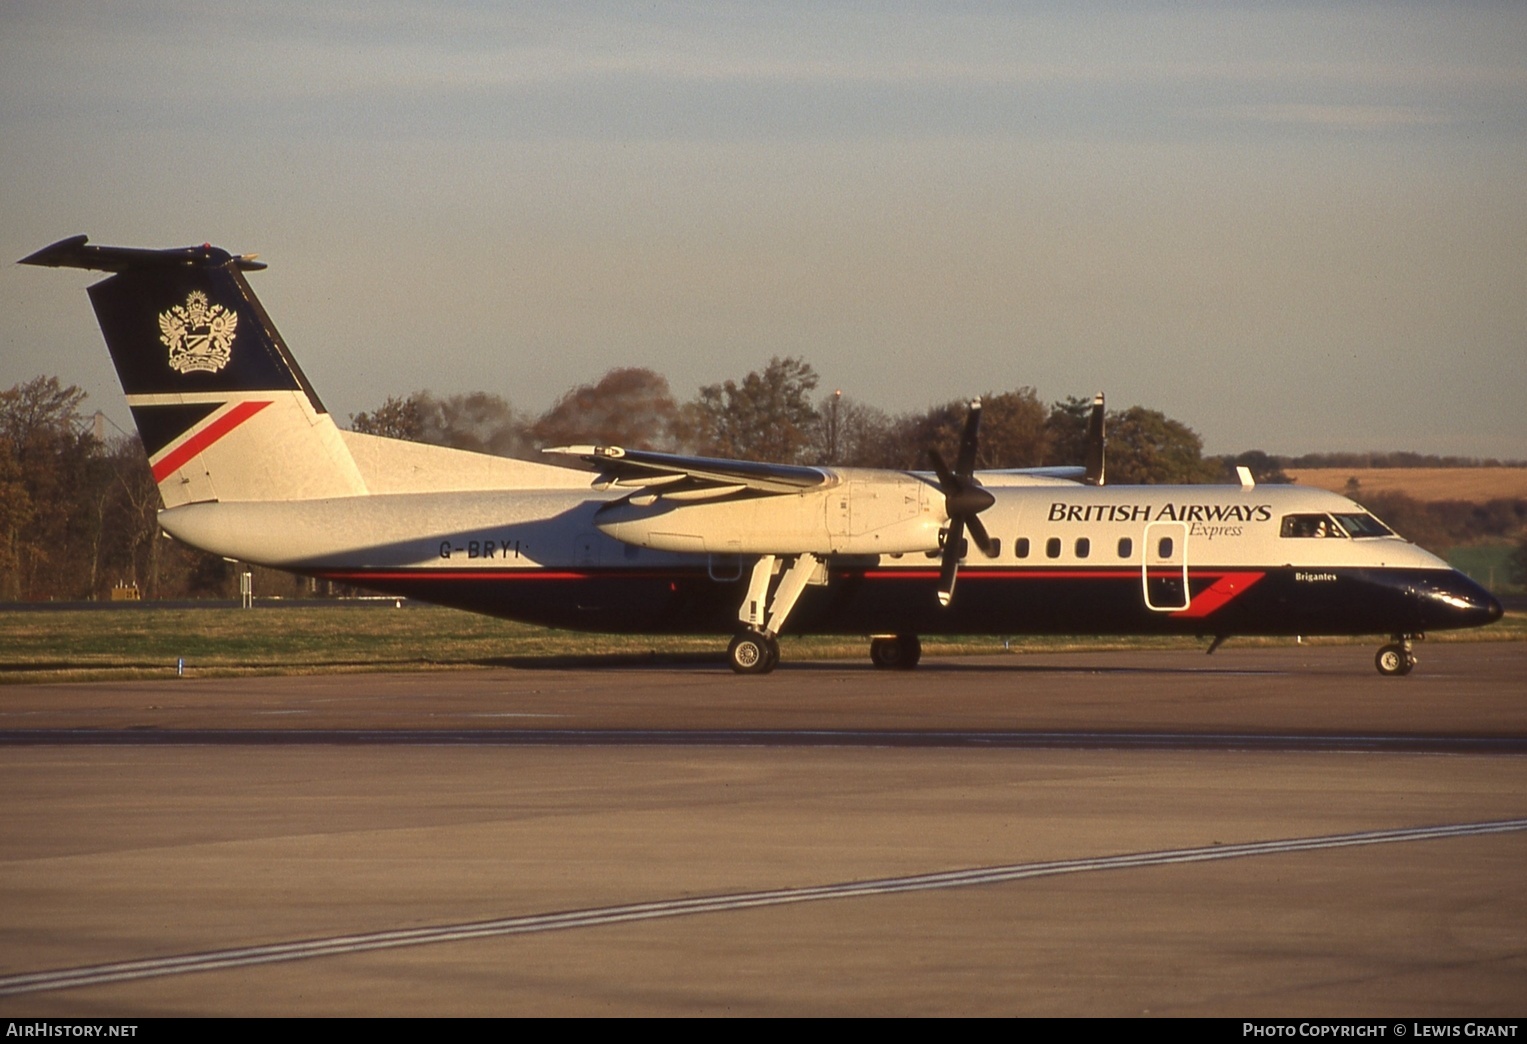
[(1294, 227)]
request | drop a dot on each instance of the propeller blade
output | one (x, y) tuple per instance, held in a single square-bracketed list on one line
[(945, 479), (1097, 440), (967, 459), (979, 535), (950, 566)]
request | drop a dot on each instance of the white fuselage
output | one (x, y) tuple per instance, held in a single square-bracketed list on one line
[(898, 523)]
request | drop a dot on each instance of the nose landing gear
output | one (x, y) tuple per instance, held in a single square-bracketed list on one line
[(1396, 658)]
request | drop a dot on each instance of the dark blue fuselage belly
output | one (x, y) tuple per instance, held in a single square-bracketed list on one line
[(1111, 601)]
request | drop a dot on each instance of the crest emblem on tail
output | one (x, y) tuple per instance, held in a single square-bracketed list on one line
[(198, 334)]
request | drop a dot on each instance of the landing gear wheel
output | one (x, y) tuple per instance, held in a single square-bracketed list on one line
[(1394, 660), (900, 653), (753, 653)]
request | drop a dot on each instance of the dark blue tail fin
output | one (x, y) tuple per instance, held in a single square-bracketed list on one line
[(224, 410)]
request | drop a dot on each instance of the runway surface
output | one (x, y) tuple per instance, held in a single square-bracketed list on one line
[(1263, 832)]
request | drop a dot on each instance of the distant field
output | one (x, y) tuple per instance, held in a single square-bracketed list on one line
[(1424, 484), (146, 642), (1488, 564)]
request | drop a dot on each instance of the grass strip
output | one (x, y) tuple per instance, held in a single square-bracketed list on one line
[(149, 642)]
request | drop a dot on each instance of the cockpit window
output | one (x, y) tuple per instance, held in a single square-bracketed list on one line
[(1363, 525), (1310, 526)]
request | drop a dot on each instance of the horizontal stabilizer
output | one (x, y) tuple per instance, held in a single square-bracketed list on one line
[(75, 252)]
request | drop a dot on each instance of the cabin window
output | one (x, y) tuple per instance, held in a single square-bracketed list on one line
[(1021, 547), (1083, 547), (1363, 525), (1052, 547), (1310, 526), (1164, 548), (996, 547), (1126, 547)]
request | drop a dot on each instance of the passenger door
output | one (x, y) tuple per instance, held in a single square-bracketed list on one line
[(1164, 566)]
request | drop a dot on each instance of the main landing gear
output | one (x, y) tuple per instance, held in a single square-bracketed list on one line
[(898, 653), (755, 650), (1396, 658)]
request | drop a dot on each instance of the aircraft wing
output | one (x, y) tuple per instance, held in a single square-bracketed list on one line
[(1028, 475), (676, 474)]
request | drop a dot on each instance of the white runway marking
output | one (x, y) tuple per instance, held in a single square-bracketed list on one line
[(122, 971)]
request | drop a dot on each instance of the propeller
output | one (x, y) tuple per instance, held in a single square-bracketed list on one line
[(1097, 440), (964, 499)]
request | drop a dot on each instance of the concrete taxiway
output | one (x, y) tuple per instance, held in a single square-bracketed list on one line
[(161, 819)]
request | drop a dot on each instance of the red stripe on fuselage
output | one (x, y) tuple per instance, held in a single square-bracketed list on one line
[(523, 573), (1228, 586), (172, 461), (989, 573), (1218, 593)]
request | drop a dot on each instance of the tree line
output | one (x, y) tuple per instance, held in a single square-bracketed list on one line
[(78, 509), (77, 513), (1392, 460), (777, 414)]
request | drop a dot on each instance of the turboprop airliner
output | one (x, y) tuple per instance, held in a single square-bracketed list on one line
[(619, 539)]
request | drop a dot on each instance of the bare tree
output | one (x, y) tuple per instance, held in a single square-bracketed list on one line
[(476, 421), (626, 407), (849, 433), (1013, 433), (48, 474), (134, 517), (394, 419), (15, 516)]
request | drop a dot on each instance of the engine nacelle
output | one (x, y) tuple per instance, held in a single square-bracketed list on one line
[(864, 514)]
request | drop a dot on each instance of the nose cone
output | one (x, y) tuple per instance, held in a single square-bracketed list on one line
[(1453, 600)]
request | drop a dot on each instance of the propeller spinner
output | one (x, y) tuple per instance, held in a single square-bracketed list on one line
[(964, 500)]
